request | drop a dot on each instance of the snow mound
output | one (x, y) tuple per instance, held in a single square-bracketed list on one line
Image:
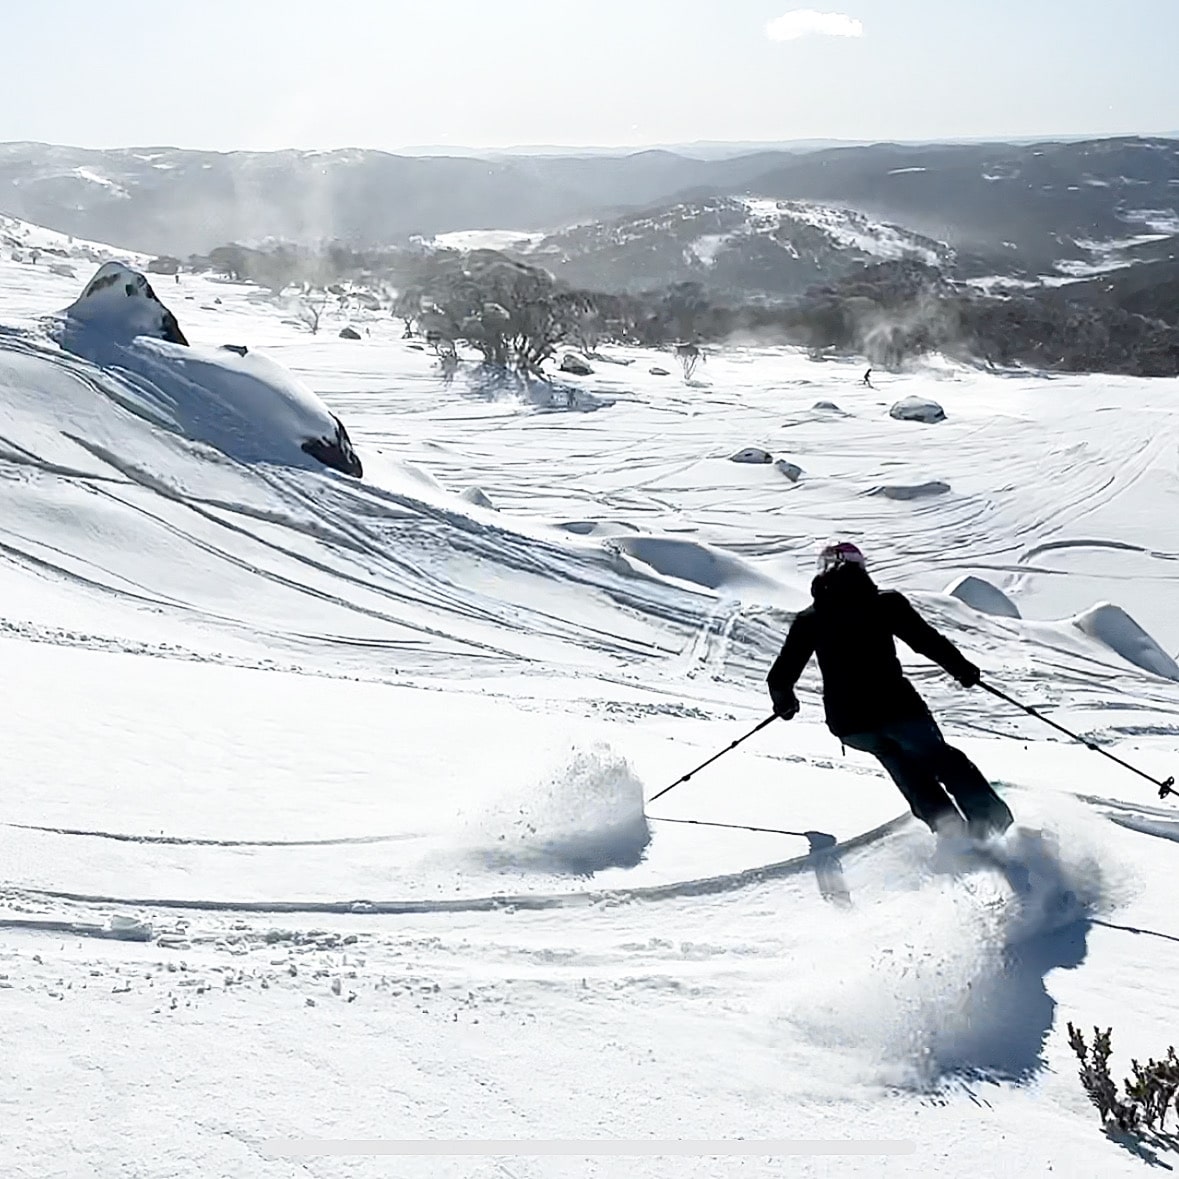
[(982, 596), (691, 561), (241, 403), (120, 303), (598, 527), (905, 491), (1114, 628), (478, 497), (583, 818), (751, 454), (917, 409), (127, 928)]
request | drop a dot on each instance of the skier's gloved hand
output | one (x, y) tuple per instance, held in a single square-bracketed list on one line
[(970, 676), (785, 704)]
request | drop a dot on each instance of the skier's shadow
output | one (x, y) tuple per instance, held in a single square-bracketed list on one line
[(1011, 1012)]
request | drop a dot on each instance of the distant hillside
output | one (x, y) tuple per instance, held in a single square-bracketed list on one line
[(165, 200), (1020, 208), (1149, 287), (745, 245)]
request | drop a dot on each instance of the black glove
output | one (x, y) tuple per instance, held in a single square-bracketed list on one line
[(969, 676), (785, 703)]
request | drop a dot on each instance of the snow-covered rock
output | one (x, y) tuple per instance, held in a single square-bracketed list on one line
[(905, 491), (119, 302), (979, 594), (572, 363), (751, 454), (656, 371), (917, 409), (245, 405), (349, 333), (1113, 627)]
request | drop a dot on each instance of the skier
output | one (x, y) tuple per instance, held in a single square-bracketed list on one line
[(869, 703)]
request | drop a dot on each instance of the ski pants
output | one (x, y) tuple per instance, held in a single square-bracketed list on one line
[(929, 773)]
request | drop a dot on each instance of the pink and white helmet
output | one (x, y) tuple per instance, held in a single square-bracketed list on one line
[(841, 552)]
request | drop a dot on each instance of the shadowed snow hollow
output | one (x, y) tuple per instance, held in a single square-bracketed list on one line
[(1115, 628), (243, 404), (981, 595), (584, 817)]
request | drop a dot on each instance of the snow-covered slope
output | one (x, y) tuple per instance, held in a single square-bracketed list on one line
[(28, 243), (326, 813)]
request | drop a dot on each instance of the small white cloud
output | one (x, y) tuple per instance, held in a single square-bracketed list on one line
[(806, 22)]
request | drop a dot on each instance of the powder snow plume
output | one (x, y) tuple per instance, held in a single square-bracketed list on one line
[(948, 978), (584, 816)]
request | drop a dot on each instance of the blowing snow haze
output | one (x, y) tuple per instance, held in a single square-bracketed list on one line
[(395, 546)]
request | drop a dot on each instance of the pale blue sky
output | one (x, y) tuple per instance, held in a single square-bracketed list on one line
[(227, 74)]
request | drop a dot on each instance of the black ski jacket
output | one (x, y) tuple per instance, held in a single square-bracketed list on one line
[(850, 628)]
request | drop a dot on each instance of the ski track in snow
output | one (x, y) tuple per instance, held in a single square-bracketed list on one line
[(373, 806)]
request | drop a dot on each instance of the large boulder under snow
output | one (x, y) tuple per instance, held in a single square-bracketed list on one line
[(982, 596), (243, 404), (917, 409), (120, 303)]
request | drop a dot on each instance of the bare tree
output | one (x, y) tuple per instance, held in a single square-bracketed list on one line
[(408, 308), (310, 310), (689, 355)]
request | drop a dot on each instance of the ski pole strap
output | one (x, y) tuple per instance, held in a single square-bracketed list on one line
[(679, 781), (1165, 787)]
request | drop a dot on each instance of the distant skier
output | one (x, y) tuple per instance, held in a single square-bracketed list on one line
[(869, 703), (867, 381)]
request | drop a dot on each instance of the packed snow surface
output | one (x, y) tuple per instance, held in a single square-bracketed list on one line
[(325, 812)]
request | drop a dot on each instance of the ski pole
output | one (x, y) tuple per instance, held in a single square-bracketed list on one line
[(728, 748), (1165, 787), (729, 826)]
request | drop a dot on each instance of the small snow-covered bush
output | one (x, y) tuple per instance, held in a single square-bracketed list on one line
[(1147, 1097)]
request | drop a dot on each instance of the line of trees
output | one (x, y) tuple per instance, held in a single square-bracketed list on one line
[(517, 315)]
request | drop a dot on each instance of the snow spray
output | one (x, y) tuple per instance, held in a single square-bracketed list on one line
[(584, 816)]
